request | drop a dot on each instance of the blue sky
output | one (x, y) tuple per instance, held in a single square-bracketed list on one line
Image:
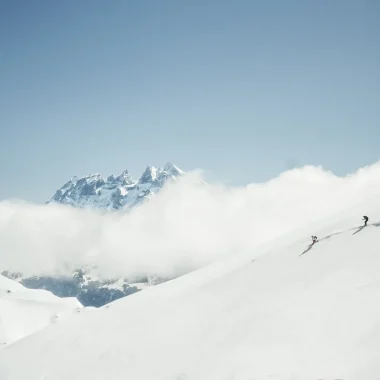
[(242, 89)]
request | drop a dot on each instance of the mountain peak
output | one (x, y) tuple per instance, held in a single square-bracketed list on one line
[(93, 176), (92, 191), (172, 169), (125, 178), (124, 173), (149, 175)]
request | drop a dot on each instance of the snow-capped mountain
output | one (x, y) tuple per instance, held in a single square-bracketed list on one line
[(113, 193), (265, 314)]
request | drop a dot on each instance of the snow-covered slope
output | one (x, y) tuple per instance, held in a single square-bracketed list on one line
[(272, 314), (24, 311), (93, 191)]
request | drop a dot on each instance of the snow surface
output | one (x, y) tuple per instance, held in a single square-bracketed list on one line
[(272, 314), (24, 311)]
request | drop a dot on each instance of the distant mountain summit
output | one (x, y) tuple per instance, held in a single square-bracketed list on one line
[(114, 193)]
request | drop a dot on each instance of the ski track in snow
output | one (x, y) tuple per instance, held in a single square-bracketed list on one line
[(358, 229)]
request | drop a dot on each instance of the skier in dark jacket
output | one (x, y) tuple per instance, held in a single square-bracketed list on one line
[(315, 239), (365, 218)]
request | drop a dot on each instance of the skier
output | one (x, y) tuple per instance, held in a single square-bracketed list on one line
[(315, 240), (365, 218)]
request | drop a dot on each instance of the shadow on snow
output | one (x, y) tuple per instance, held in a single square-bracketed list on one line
[(358, 229)]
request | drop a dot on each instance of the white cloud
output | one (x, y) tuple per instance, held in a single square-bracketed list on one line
[(184, 227)]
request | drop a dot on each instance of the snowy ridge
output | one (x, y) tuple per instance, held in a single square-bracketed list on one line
[(270, 314), (86, 285), (24, 311), (93, 191)]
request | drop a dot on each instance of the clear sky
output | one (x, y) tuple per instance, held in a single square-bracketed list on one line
[(242, 89)]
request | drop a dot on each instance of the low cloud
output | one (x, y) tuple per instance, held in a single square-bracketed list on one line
[(186, 226)]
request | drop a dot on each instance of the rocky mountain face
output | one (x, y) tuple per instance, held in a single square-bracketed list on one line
[(113, 193)]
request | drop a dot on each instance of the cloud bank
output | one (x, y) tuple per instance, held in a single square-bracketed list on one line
[(186, 226)]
